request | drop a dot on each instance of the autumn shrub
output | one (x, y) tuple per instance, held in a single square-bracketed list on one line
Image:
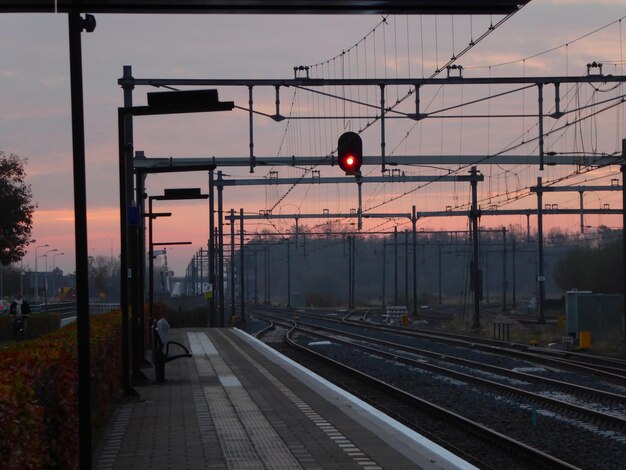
[(39, 393)]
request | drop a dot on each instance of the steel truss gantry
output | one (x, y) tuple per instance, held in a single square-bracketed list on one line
[(384, 112)]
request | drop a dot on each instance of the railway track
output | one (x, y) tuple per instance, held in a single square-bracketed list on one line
[(582, 414)]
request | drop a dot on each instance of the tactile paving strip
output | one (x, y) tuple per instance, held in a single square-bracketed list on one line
[(333, 433), (248, 440), (114, 440)]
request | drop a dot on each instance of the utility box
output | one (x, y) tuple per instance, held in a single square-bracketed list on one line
[(585, 339), (297, 300), (600, 315)]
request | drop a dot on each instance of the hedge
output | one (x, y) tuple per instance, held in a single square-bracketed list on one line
[(38, 324), (39, 394)]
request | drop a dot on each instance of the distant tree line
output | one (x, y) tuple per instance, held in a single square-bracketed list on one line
[(597, 268)]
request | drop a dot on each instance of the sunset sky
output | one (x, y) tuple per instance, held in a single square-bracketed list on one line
[(35, 120)]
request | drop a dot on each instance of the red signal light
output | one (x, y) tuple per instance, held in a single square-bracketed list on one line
[(350, 153)]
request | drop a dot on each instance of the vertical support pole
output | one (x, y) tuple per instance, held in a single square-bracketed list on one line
[(269, 275), (256, 278), (288, 273), (277, 87), (540, 275), (360, 210), (514, 300), (265, 276), (353, 277), (232, 264), (476, 281), (251, 126), (297, 230), (141, 272), (540, 102), (527, 228), (211, 277), (406, 268), (382, 130), (150, 268), (220, 252), (582, 214), (201, 258), (395, 265), (623, 168), (384, 282), (504, 280), (417, 102), (242, 277), (133, 256), (439, 272), (557, 100), (414, 223), (349, 239), (75, 26)]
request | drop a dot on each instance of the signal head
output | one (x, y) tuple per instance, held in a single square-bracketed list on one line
[(350, 153)]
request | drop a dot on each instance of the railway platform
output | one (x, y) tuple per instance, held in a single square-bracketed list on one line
[(238, 404)]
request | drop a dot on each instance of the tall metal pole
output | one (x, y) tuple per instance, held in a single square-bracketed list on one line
[(439, 272), (288, 273), (540, 124), (75, 26), (220, 240), (582, 214), (395, 265), (150, 265), (406, 268), (349, 239), (269, 275), (414, 223), (504, 280), (540, 275), (201, 258), (232, 263), (141, 261), (265, 275), (384, 282), (514, 300), (382, 131), (242, 278), (37, 272), (125, 142), (212, 320), (353, 277), (623, 169), (256, 277), (476, 281)]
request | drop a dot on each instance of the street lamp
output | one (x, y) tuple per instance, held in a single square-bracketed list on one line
[(53, 268), (45, 293), (53, 259), (37, 272)]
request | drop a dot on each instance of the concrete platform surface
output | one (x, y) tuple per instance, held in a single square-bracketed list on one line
[(238, 404)]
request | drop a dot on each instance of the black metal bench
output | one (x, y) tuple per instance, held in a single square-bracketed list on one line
[(161, 332)]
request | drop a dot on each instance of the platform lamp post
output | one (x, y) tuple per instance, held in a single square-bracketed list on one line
[(45, 293), (53, 268), (37, 272)]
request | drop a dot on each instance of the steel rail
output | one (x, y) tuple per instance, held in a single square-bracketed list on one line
[(475, 429), (611, 420)]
